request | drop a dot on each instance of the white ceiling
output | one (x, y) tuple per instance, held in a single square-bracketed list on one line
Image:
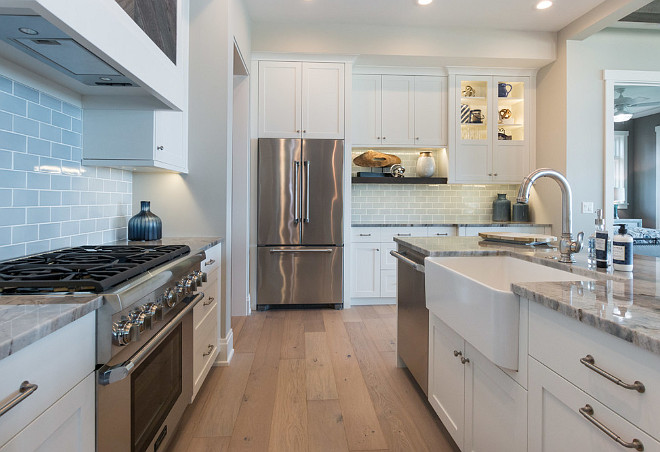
[(490, 14), (644, 94)]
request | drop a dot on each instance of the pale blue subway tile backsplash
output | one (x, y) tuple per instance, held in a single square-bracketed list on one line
[(47, 199)]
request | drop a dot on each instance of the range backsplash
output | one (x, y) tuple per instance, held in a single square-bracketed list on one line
[(426, 204), (47, 199)]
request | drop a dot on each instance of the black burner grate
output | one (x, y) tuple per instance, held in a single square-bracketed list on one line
[(83, 269)]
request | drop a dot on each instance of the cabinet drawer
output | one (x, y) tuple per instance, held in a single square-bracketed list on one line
[(387, 261), (388, 283), (561, 342), (210, 300), (440, 231), (56, 363), (557, 424), (213, 259), (388, 234), (205, 348), (365, 235)]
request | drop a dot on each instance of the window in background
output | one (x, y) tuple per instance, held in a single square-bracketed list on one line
[(621, 169)]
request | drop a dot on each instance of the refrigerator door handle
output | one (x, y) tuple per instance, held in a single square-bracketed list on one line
[(318, 250), (307, 164), (296, 200)]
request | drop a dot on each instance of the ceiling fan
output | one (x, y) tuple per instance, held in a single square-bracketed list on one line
[(623, 103)]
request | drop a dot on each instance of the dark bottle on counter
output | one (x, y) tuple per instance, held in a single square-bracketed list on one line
[(603, 245), (501, 208), (145, 225)]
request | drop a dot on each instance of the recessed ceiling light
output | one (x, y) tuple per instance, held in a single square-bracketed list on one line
[(424, 2), (28, 31), (544, 4)]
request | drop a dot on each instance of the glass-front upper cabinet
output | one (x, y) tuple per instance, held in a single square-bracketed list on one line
[(491, 135)]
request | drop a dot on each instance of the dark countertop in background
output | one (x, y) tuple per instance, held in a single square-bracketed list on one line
[(618, 303), (25, 319)]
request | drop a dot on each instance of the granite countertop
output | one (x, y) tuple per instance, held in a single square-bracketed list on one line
[(24, 319), (619, 303), (502, 224)]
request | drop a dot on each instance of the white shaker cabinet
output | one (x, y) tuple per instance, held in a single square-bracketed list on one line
[(399, 110), (301, 100), (481, 406), (135, 139), (365, 274), (561, 416), (67, 426)]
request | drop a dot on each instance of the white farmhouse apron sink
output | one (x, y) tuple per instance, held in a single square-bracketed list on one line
[(473, 296)]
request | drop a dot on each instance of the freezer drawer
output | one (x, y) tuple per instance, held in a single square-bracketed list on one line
[(299, 275)]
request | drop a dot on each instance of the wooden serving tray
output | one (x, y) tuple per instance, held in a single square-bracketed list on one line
[(520, 238)]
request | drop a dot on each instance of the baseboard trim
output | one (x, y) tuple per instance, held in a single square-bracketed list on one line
[(226, 350), (372, 301)]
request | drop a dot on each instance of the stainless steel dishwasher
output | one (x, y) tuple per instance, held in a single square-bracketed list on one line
[(412, 336)]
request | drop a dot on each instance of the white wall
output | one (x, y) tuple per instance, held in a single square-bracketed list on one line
[(199, 203), (409, 46)]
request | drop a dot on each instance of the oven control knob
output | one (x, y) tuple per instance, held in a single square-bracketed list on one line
[(170, 298), (138, 318), (124, 332), (180, 291), (191, 281), (153, 311), (201, 276)]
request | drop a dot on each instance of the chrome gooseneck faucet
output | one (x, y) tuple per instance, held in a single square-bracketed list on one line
[(566, 245)]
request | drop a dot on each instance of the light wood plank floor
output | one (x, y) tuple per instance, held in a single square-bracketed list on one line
[(312, 380)]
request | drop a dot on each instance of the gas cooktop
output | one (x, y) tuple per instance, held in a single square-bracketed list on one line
[(83, 269)]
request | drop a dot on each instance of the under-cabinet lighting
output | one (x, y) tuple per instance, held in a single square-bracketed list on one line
[(424, 2), (544, 4)]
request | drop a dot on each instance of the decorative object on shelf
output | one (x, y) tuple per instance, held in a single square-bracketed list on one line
[(619, 198), (503, 89), (397, 170), (501, 208), (520, 212), (476, 117), (465, 114), (505, 114), (468, 91), (425, 164), (373, 159), (501, 134), (145, 225)]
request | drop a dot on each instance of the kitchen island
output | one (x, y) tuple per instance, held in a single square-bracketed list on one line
[(588, 367)]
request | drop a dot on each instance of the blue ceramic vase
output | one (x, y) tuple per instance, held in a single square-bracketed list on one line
[(145, 225)]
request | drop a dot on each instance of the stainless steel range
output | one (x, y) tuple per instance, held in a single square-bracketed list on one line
[(144, 331)]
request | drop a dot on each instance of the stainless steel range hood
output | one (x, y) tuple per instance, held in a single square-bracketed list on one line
[(42, 40)]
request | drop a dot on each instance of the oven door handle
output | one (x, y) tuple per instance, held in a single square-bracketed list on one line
[(112, 374)]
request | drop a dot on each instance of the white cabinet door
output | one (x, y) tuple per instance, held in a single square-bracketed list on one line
[(67, 426), (366, 116), (398, 102), (430, 111), (472, 163), (556, 423), (323, 100), (365, 273), (280, 100), (168, 138), (510, 163), (495, 407), (447, 378)]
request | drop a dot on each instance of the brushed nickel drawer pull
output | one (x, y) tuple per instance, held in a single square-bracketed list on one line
[(206, 303), (465, 360), (24, 391), (365, 235), (588, 412), (210, 350), (441, 233), (457, 353), (209, 262), (590, 363), (408, 234)]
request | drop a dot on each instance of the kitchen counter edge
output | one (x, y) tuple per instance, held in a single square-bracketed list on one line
[(406, 225)]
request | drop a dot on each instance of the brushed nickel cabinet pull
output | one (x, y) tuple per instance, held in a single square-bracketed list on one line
[(209, 262), (465, 360), (24, 391), (365, 235), (457, 353), (588, 412), (160, 148), (206, 303), (404, 235), (590, 363), (441, 233), (210, 350)]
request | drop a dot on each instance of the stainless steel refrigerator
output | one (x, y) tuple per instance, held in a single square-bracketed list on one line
[(300, 222)]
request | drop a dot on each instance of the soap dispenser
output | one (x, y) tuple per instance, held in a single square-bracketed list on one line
[(622, 250), (602, 244)]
